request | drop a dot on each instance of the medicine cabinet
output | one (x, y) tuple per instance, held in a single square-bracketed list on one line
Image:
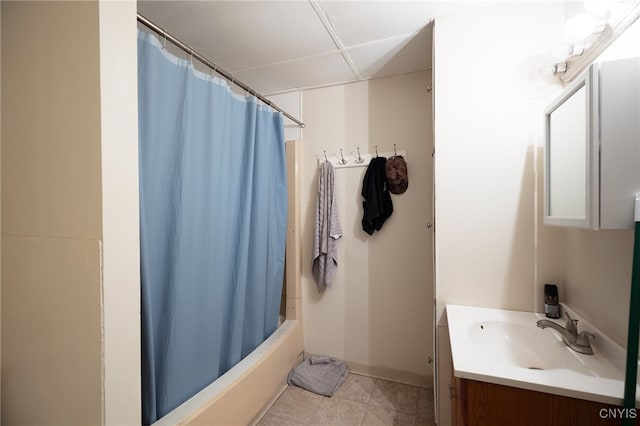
[(592, 149)]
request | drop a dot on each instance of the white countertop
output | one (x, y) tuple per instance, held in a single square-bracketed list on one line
[(507, 348)]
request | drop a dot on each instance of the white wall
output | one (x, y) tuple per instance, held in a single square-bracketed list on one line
[(378, 316), (490, 92), (292, 103), (490, 95), (120, 217)]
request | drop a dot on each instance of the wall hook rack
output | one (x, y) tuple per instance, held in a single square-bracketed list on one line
[(356, 160)]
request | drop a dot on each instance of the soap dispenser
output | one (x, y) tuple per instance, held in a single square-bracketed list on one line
[(551, 305)]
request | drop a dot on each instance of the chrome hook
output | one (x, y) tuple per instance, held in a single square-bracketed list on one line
[(394, 150), (325, 156), (343, 161), (376, 151), (359, 160)]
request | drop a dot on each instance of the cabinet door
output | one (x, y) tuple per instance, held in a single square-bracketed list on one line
[(620, 141), (488, 404), (592, 149), (456, 393), (571, 155)]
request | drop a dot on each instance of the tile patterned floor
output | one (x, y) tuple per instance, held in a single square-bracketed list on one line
[(360, 401)]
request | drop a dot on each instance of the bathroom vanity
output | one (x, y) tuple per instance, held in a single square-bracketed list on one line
[(507, 371), (477, 403)]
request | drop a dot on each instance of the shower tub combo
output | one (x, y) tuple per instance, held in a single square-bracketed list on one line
[(242, 394)]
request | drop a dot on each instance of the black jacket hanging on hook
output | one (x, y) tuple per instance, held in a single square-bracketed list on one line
[(376, 201)]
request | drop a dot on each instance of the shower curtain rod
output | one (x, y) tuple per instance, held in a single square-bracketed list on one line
[(193, 54)]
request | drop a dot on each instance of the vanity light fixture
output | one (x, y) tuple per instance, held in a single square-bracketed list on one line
[(583, 29), (576, 49), (559, 68), (566, 51)]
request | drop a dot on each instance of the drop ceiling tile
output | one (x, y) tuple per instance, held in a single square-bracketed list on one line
[(359, 22), (314, 71), (393, 56), (249, 36), (243, 34)]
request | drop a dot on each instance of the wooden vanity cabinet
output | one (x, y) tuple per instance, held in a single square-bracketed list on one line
[(476, 403)]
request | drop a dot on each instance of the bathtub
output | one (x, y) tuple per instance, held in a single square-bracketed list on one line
[(240, 396)]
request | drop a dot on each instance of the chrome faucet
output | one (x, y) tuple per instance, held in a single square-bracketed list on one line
[(579, 342)]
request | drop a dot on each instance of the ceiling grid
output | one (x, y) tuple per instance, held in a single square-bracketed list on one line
[(281, 46)]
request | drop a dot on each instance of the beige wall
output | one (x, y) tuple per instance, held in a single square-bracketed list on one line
[(378, 316), (597, 278), (70, 306), (51, 231)]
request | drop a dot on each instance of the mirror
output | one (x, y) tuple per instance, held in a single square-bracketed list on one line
[(567, 174), (571, 155)]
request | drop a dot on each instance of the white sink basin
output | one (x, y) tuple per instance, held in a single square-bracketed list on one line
[(530, 347), (506, 347), (513, 344)]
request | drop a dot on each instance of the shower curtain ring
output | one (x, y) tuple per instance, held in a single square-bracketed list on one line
[(164, 39), (191, 56)]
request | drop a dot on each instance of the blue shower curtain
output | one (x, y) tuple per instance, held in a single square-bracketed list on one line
[(213, 202)]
